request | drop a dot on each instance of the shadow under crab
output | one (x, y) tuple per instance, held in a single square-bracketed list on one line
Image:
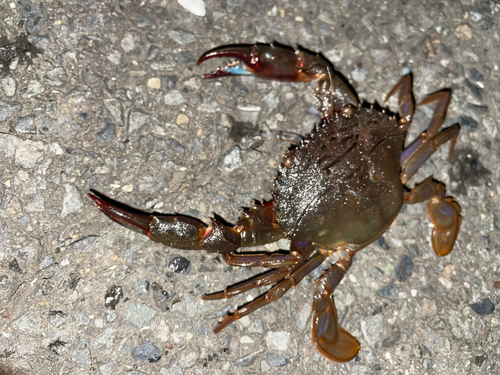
[(337, 191)]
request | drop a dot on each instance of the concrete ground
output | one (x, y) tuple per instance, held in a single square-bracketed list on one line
[(106, 95)]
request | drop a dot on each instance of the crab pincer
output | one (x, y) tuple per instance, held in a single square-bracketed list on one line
[(277, 62), (266, 61)]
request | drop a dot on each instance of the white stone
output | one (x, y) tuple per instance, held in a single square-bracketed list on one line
[(277, 340), (197, 7), (71, 200), (174, 97)]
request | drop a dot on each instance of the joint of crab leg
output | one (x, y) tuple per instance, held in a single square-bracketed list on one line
[(442, 99), (220, 238), (419, 151), (425, 190)]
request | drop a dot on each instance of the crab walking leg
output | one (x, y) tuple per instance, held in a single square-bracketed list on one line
[(443, 211), (424, 146), (424, 149), (274, 61), (300, 250), (405, 98), (334, 342), (255, 227), (267, 278), (295, 275)]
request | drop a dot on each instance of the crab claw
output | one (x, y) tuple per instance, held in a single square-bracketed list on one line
[(334, 342), (282, 63), (268, 61), (117, 212)]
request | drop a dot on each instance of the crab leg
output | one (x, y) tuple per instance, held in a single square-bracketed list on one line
[(334, 342), (300, 250), (255, 227), (405, 98), (274, 61), (443, 211), (274, 260), (295, 274), (267, 278), (414, 156)]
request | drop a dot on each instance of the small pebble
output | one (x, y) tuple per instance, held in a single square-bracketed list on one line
[(136, 119), (463, 32), (154, 83), (278, 360), (161, 297), (388, 291), (113, 295), (475, 75), (169, 82), (249, 359), (181, 36), (8, 109), (142, 286), (382, 243), (139, 314), (404, 269), (128, 43), (197, 7), (115, 109), (179, 264), (107, 369), (115, 57), (182, 119), (304, 315), (467, 123), (372, 329), (71, 201), (107, 132), (9, 86), (26, 125), (277, 340), (188, 360), (174, 97), (34, 88), (233, 159), (146, 351), (483, 307), (445, 282)]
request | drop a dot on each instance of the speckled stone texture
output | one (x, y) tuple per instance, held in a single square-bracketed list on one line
[(115, 102)]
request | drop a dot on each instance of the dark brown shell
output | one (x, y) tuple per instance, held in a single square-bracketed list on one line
[(342, 184)]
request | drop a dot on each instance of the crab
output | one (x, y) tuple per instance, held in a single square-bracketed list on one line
[(337, 191)]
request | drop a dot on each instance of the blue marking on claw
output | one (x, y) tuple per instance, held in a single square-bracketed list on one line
[(237, 70)]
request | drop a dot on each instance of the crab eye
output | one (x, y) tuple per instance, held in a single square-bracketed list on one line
[(289, 161), (347, 112)]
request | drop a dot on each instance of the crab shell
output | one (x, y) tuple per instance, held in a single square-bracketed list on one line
[(344, 179)]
